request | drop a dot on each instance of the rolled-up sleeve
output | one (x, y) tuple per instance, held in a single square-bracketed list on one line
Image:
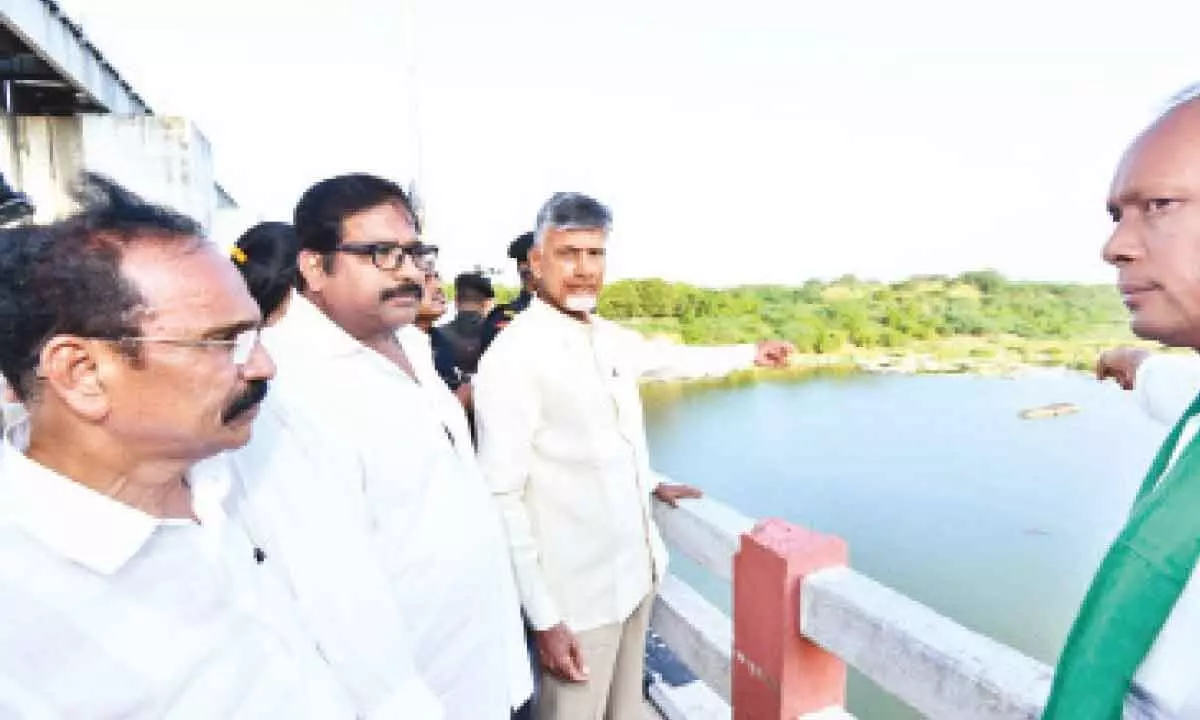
[(506, 416), (661, 359)]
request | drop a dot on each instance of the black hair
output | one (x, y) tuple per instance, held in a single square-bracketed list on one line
[(65, 277), (323, 207), (268, 263), (519, 249), (473, 286)]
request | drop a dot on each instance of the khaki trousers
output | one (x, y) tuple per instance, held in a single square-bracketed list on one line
[(615, 656)]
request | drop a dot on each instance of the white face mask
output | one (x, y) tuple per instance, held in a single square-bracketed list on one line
[(580, 303)]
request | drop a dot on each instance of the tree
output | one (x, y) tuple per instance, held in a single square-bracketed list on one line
[(818, 316)]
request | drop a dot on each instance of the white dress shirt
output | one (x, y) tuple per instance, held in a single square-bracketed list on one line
[(1164, 387), (563, 445), (384, 528), (108, 612)]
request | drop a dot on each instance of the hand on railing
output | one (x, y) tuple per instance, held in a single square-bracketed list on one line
[(672, 494)]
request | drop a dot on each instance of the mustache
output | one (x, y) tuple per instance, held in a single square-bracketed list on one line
[(254, 393), (411, 289)]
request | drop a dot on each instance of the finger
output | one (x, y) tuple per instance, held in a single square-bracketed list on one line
[(559, 663), (680, 492), (562, 673), (566, 671), (579, 668), (550, 660), (562, 667)]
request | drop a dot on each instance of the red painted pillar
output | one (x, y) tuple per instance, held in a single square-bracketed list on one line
[(777, 674)]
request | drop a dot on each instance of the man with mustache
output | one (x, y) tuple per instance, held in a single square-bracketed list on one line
[(361, 481), (433, 302), (124, 589), (564, 448), (433, 307), (1133, 643)]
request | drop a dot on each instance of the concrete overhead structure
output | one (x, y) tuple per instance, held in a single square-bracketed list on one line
[(65, 109)]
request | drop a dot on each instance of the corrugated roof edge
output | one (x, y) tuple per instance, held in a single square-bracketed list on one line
[(77, 31)]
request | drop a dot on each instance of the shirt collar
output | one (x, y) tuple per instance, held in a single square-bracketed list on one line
[(77, 522), (306, 325), (306, 332), (550, 315)]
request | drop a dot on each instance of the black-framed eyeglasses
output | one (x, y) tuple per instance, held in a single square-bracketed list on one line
[(241, 346), (390, 255)]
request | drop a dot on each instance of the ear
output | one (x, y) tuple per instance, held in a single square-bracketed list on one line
[(535, 260), (74, 372), (312, 269)]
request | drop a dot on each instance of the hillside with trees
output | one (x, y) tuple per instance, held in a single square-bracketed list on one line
[(822, 317)]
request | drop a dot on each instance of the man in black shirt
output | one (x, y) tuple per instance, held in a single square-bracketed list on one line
[(472, 295), (502, 315)]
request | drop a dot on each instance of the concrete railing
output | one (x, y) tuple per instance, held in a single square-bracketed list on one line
[(801, 616), (697, 632)]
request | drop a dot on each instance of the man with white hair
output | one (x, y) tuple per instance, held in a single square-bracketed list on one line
[(563, 446)]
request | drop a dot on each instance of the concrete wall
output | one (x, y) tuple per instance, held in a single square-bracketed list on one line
[(166, 160)]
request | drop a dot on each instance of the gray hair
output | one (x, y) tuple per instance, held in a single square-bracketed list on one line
[(571, 211)]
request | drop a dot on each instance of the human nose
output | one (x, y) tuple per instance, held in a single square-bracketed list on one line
[(412, 269), (260, 366), (1124, 245)]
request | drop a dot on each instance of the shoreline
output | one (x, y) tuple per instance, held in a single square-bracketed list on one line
[(994, 357)]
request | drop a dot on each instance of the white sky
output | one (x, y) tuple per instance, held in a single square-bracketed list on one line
[(749, 141)]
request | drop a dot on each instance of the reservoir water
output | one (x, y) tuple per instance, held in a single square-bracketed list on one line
[(940, 489)]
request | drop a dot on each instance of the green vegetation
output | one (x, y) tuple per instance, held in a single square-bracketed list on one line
[(977, 318), (978, 321)]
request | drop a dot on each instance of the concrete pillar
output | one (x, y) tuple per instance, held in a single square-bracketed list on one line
[(777, 674)]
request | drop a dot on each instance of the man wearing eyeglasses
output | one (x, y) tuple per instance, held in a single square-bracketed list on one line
[(362, 479), (124, 589)]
